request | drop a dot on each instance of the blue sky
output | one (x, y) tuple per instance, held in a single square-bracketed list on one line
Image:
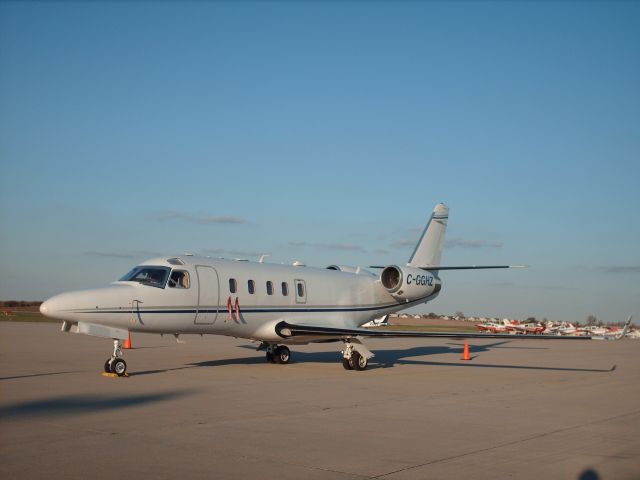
[(326, 132)]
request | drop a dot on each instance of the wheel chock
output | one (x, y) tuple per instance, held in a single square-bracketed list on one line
[(113, 375)]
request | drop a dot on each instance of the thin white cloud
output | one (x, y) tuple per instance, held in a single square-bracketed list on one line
[(455, 242), (238, 253), (296, 244), (403, 243), (328, 246), (532, 287), (123, 254), (200, 219), (468, 243), (620, 269), (339, 246)]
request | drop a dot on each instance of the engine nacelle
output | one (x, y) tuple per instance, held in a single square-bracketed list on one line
[(409, 283)]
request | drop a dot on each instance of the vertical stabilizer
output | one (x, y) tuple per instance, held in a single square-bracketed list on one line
[(429, 249)]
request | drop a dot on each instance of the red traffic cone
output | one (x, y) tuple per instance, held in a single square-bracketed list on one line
[(465, 355), (127, 343)]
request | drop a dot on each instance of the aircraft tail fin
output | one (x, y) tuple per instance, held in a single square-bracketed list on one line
[(627, 324), (428, 252)]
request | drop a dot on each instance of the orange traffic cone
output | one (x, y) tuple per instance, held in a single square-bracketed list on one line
[(465, 355), (127, 343)]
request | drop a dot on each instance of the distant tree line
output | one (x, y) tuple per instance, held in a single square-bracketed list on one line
[(18, 303)]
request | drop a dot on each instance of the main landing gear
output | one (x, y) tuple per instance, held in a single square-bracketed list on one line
[(115, 363), (277, 354), (355, 355)]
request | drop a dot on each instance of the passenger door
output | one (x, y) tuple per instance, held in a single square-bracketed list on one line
[(208, 295)]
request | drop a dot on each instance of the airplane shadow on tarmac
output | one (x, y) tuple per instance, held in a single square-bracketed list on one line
[(391, 358), (382, 359), (77, 404), (39, 375)]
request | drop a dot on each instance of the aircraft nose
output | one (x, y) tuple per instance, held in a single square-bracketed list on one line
[(44, 308), (55, 306), (51, 307)]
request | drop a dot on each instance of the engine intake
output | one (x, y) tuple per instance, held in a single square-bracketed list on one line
[(409, 283), (391, 278)]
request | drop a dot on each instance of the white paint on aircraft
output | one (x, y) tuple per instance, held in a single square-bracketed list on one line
[(275, 305)]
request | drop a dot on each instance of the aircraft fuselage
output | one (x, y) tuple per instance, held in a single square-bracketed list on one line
[(237, 298)]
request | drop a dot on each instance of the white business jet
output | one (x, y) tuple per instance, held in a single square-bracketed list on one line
[(275, 305)]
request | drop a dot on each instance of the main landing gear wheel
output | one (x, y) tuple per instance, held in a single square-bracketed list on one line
[(282, 354), (270, 358), (359, 361), (107, 366), (355, 357), (119, 367)]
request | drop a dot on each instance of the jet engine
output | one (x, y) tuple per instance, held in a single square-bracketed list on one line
[(408, 283)]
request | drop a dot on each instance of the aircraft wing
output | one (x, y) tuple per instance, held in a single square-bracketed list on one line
[(464, 267), (288, 331)]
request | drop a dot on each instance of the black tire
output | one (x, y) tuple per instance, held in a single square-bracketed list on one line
[(360, 363), (283, 355), (346, 365), (119, 367), (353, 361), (270, 358), (107, 367)]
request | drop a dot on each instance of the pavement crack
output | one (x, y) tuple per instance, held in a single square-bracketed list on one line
[(310, 467), (507, 444)]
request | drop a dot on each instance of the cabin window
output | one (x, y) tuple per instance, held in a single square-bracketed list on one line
[(285, 289), (251, 285), (269, 288), (148, 275), (179, 279), (300, 289), (233, 285)]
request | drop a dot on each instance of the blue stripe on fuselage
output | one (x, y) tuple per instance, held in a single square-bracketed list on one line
[(245, 310)]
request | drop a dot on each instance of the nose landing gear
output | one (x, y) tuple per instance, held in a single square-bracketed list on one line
[(116, 364)]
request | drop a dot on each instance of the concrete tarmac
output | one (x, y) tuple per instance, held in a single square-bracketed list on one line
[(213, 408)]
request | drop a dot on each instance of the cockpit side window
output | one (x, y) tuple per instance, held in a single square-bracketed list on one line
[(148, 275), (179, 279)]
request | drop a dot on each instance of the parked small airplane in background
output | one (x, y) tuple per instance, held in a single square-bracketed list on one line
[(496, 327), (275, 305)]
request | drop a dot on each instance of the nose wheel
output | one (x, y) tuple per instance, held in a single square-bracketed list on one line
[(115, 363)]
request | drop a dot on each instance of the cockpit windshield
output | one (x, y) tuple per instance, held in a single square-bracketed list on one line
[(148, 275)]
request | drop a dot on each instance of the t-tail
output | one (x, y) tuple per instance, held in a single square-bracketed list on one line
[(428, 251)]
